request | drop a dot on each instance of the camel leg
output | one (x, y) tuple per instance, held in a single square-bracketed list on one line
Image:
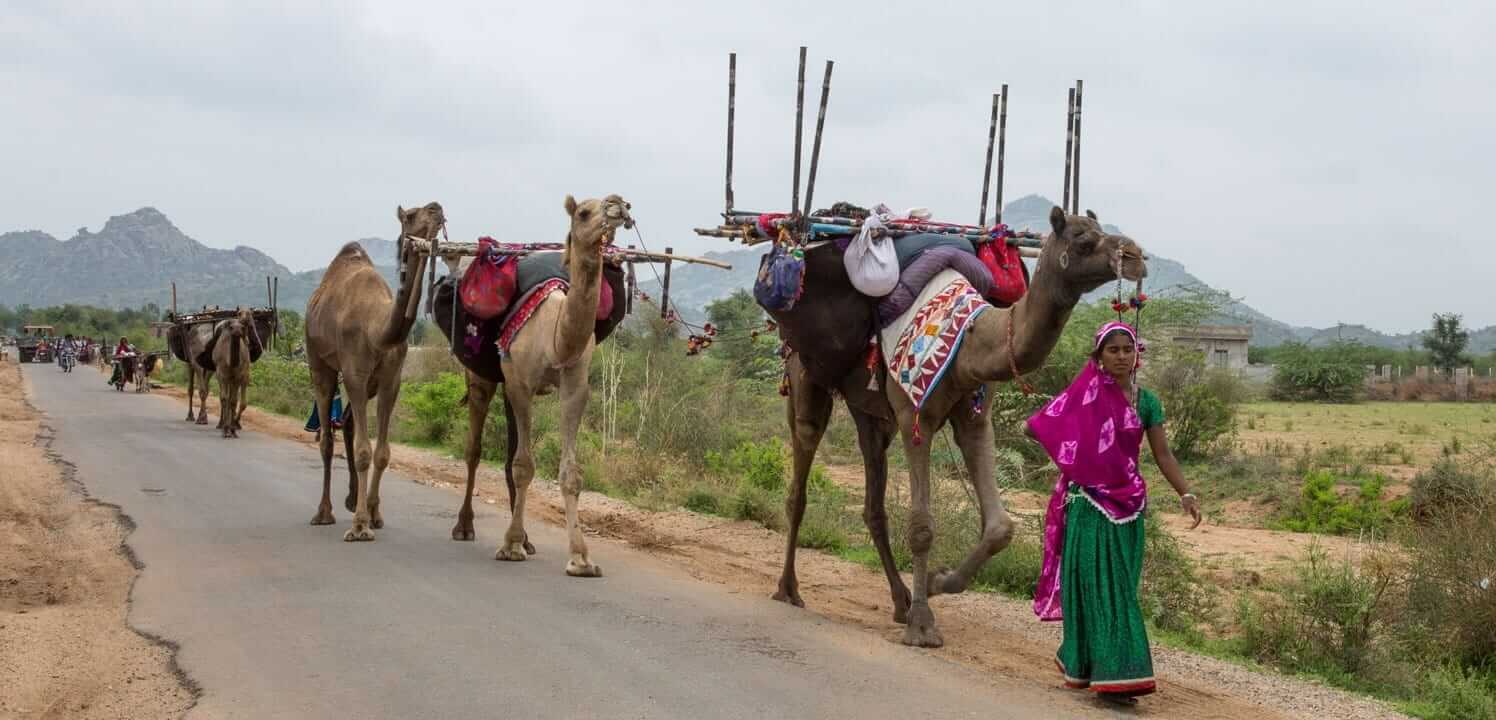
[(230, 391), (324, 390), (873, 438), (202, 397), (350, 501), (224, 409), (974, 436), (479, 395), (920, 631), (363, 458), (808, 410), (519, 400), (191, 388), (386, 409), (511, 435), (575, 391), (243, 393)]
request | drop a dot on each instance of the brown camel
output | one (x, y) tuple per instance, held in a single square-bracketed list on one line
[(357, 329), (231, 340), (828, 333), (553, 351)]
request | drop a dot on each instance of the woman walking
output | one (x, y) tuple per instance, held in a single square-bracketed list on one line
[(1093, 533)]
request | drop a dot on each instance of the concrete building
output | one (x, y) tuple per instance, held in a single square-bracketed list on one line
[(1224, 346)]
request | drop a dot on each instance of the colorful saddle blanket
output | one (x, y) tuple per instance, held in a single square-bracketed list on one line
[(921, 344)]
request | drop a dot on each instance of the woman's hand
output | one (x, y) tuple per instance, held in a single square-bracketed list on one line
[(1192, 506)]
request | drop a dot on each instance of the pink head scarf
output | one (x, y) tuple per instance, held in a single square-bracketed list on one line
[(1093, 434)]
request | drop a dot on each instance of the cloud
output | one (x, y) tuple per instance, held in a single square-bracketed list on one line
[(1326, 161)]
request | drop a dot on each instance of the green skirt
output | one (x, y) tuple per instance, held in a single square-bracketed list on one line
[(1106, 643)]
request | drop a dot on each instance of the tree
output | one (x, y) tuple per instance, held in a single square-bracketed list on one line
[(1446, 341), (1327, 374), (736, 317)]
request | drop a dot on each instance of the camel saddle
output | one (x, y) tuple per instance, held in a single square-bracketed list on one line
[(476, 344)]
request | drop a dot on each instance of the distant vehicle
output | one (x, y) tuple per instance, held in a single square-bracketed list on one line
[(35, 343)]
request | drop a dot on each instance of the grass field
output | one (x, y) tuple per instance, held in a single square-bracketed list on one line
[(1423, 430)]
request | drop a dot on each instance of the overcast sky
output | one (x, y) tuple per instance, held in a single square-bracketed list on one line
[(1325, 161)]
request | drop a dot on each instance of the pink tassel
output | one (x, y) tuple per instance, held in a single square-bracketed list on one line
[(918, 439)]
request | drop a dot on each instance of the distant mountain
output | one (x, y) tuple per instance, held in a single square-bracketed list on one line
[(134, 258)]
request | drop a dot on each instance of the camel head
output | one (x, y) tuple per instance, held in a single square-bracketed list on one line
[(423, 222), (593, 222), (1085, 257)]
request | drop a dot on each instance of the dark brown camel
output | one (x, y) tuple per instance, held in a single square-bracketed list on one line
[(828, 333)]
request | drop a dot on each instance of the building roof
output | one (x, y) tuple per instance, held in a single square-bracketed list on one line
[(1214, 332)]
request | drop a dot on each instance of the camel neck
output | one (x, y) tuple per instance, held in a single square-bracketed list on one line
[(579, 311)]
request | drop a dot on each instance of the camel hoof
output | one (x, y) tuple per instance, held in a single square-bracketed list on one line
[(191, 417), (921, 632), (377, 523), (463, 534), (202, 420), (529, 549), (583, 569), (324, 517), (792, 598), (358, 533), (510, 554)]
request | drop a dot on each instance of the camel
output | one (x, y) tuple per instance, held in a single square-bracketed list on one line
[(828, 334), (484, 374), (231, 341), (553, 351), (356, 329), (189, 342)]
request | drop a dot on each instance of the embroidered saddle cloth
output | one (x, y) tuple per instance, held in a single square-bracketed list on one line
[(921, 344)]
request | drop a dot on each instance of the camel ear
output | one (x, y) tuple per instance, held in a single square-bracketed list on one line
[(571, 205), (1057, 219), (1092, 214), (400, 213)]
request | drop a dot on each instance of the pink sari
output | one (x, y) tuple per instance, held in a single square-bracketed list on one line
[(1093, 434)]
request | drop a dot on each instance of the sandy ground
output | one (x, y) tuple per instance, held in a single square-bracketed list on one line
[(989, 632), (66, 648)]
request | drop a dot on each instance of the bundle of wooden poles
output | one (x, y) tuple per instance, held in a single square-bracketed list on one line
[(810, 229), (453, 252), (214, 314)]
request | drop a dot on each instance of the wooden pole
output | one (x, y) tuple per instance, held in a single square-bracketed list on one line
[(1002, 147), (1075, 174), (173, 300), (987, 172), (628, 305), (275, 292), (799, 132), (665, 287), (815, 148), (267, 290), (732, 95), (1069, 138)]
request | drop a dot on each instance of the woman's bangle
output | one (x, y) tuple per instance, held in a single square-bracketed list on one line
[(1187, 495)]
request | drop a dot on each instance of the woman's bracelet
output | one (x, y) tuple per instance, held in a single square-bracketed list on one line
[(1187, 495)]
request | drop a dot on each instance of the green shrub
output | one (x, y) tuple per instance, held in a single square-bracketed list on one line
[(1326, 374), (431, 409), (1199, 402), (1452, 693), (1320, 509), (757, 505), (702, 500), (760, 465), (822, 528), (1332, 617)]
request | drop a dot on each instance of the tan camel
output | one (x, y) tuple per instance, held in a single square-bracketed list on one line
[(356, 329), (231, 340), (1077, 257), (553, 350)]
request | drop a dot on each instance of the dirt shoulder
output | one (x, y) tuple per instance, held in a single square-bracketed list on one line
[(988, 632), (66, 647)]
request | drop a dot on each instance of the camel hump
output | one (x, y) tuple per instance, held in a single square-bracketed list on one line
[(353, 251)]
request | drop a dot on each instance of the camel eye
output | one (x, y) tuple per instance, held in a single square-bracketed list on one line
[(584, 214)]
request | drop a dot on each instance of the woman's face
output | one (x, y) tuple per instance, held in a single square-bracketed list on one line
[(1119, 355)]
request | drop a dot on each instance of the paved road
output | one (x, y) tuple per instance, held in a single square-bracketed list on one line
[(279, 619)]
